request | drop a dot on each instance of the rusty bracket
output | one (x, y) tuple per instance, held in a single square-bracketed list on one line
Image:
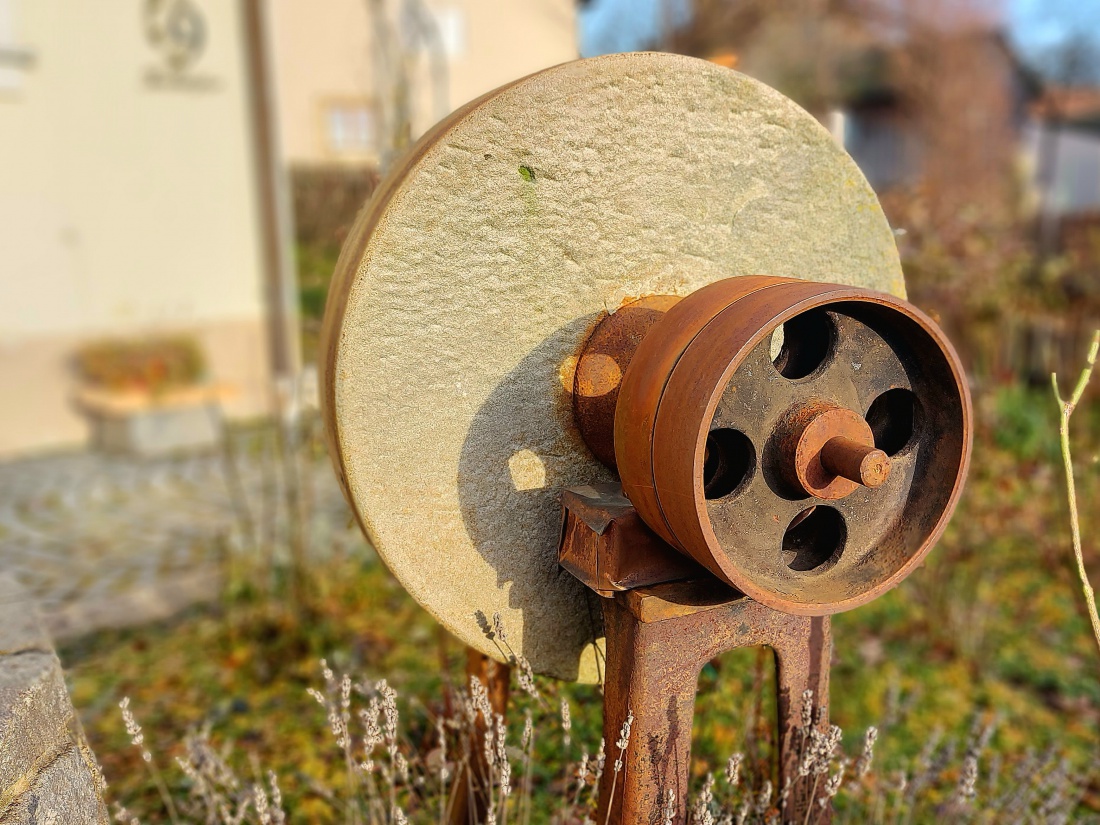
[(606, 545), (664, 619)]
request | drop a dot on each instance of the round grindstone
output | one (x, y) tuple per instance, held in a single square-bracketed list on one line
[(474, 275)]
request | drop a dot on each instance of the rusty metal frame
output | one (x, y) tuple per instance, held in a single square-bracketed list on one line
[(658, 640), (664, 618)]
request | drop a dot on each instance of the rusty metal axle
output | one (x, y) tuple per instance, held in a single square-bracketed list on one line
[(861, 463)]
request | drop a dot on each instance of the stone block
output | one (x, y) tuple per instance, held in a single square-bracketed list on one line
[(47, 772)]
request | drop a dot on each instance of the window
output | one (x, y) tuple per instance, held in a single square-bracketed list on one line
[(351, 128)]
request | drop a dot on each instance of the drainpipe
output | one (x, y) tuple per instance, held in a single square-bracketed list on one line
[(273, 199)]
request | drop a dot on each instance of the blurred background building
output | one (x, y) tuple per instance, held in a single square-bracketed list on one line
[(976, 121), (127, 200), (358, 79), (191, 167), (151, 152)]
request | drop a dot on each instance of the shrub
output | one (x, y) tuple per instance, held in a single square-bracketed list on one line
[(153, 364)]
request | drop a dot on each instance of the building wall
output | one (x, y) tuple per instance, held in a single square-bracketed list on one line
[(885, 146), (324, 66), (1073, 184), (127, 203)]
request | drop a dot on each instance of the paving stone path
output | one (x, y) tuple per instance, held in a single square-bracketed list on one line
[(104, 541)]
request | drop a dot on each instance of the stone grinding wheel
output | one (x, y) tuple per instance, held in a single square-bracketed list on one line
[(474, 275)]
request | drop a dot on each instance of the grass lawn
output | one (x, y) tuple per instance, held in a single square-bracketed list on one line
[(992, 629)]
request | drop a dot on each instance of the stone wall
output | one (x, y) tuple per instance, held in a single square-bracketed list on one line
[(48, 774)]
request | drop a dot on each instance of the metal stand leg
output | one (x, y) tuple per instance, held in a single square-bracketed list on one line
[(658, 640), (471, 789)]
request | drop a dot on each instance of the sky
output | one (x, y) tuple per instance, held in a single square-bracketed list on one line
[(619, 25), (1032, 25), (1035, 24)]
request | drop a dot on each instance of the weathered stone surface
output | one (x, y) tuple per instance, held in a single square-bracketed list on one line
[(46, 769), (62, 794), (470, 282)]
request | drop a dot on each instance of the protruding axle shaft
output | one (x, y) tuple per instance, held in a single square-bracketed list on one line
[(856, 462)]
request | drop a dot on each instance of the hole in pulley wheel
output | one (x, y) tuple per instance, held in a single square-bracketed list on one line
[(727, 463), (802, 344), (893, 420), (814, 539)]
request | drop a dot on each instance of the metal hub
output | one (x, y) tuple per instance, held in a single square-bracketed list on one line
[(831, 452)]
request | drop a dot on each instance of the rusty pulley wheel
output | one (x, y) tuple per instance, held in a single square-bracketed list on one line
[(806, 442)]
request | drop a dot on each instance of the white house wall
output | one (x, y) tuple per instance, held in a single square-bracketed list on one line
[(127, 204)]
